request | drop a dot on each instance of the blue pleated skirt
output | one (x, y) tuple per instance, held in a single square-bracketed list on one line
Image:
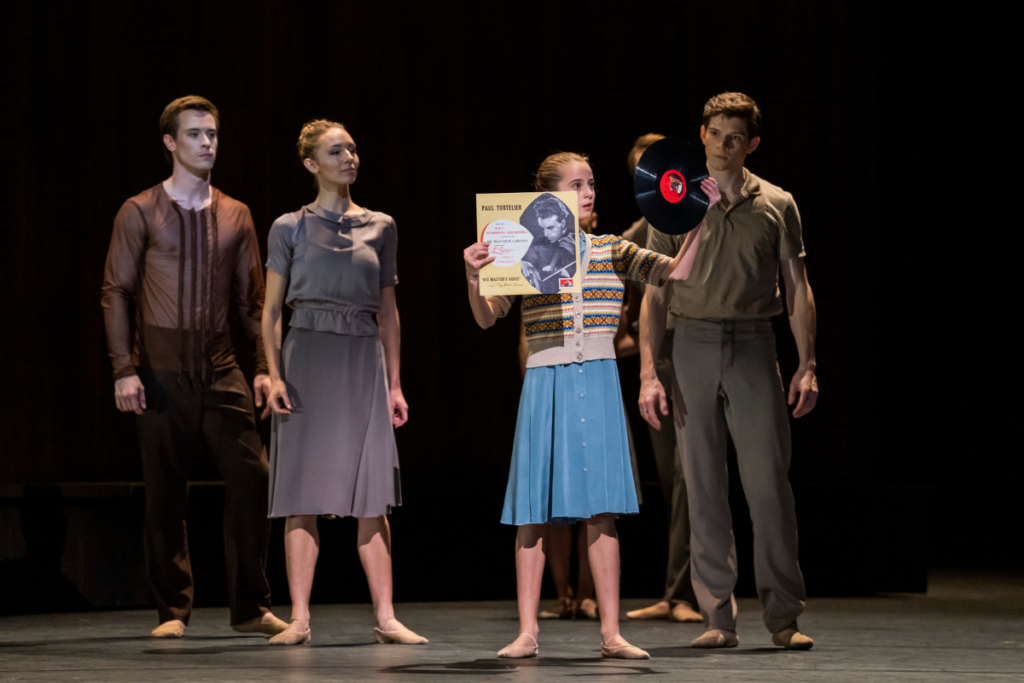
[(570, 458)]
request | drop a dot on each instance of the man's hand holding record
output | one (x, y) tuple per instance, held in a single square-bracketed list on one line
[(667, 185)]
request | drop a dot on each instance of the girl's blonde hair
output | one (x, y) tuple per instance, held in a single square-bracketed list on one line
[(549, 173)]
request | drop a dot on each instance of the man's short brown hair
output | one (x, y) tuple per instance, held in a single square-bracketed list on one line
[(170, 120), (738, 105), (642, 143)]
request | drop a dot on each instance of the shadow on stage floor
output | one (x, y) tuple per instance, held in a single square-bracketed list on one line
[(967, 627)]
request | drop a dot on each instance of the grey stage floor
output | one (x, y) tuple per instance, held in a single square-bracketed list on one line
[(965, 629)]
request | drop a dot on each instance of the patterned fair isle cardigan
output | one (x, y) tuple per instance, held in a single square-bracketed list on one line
[(576, 327)]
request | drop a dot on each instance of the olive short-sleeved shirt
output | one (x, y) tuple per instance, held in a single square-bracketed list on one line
[(736, 273), (335, 267)]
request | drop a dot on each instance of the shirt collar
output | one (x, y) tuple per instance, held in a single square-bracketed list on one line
[(751, 188), (337, 218), (214, 196), (751, 184)]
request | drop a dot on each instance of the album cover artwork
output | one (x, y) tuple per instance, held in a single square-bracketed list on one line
[(535, 239)]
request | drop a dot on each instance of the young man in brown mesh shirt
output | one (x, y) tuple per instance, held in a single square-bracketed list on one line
[(727, 376), (181, 251)]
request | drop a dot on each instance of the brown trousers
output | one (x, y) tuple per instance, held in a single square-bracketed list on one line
[(180, 414), (730, 384)]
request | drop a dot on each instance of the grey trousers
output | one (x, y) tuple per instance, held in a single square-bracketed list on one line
[(730, 383), (678, 585)]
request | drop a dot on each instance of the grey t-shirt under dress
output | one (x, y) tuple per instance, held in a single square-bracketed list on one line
[(335, 453)]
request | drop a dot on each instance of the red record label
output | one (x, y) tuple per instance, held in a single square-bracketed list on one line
[(673, 186)]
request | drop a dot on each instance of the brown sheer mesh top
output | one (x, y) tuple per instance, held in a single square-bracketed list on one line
[(181, 267)]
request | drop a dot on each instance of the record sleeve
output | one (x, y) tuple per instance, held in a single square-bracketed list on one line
[(535, 237)]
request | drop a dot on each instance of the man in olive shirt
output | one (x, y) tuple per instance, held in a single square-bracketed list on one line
[(727, 376)]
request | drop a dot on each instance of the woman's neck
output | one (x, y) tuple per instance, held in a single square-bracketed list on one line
[(337, 199)]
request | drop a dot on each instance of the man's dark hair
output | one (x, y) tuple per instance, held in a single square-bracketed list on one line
[(170, 120), (738, 105)]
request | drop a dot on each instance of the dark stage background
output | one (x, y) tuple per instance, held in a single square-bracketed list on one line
[(900, 465)]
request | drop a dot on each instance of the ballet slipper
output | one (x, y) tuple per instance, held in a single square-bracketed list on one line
[(297, 633), (561, 609), (658, 611), (714, 638), (622, 650), (175, 628), (268, 627), (790, 638), (683, 613), (520, 651), (398, 636), (587, 609)]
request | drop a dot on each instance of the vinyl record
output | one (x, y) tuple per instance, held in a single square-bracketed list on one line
[(667, 186)]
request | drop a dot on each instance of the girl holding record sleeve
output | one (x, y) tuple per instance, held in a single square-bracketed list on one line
[(335, 389), (570, 457)]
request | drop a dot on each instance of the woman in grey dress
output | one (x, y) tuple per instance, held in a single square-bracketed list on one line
[(335, 388)]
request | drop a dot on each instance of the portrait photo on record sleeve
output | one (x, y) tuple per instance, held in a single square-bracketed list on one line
[(552, 256)]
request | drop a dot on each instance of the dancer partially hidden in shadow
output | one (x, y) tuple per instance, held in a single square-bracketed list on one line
[(570, 458), (335, 385), (678, 600)]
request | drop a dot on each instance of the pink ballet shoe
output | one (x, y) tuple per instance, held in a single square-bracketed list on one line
[(586, 609), (175, 628), (292, 636), (518, 651), (271, 627), (561, 609), (791, 639), (398, 636), (715, 638), (623, 650), (683, 613)]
